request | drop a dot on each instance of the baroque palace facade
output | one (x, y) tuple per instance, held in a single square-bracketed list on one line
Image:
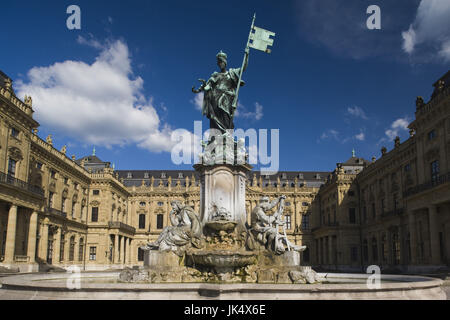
[(57, 211)]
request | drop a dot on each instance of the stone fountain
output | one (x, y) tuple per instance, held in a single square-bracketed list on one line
[(217, 244)]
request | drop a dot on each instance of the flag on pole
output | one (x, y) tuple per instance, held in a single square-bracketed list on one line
[(261, 39)]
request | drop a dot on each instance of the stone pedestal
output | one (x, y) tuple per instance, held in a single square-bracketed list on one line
[(223, 186), (160, 259)]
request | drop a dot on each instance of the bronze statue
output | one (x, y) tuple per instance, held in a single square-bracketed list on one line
[(219, 103)]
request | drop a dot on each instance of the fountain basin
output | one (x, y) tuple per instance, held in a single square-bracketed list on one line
[(222, 258), (106, 285), (221, 225)]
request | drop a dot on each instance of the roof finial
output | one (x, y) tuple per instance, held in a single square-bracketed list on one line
[(353, 153), (93, 151)]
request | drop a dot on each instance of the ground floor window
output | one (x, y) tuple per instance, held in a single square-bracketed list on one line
[(72, 248), (140, 254), (93, 253), (61, 248), (81, 250)]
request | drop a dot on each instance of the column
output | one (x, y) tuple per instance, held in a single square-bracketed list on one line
[(56, 246), (434, 235), (44, 242), (76, 249), (390, 259), (11, 235), (401, 236), (67, 247), (330, 250), (122, 249), (32, 231), (129, 251), (412, 237), (116, 248)]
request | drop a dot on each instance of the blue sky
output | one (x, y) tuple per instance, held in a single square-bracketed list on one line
[(123, 82)]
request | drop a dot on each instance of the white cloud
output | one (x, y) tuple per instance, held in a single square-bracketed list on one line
[(100, 103), (357, 112), (330, 134), (361, 136), (198, 101), (396, 127), (409, 40), (257, 114), (430, 29)]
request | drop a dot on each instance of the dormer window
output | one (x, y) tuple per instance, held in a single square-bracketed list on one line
[(146, 175), (300, 176), (129, 175), (180, 175), (318, 176), (283, 176), (163, 175)]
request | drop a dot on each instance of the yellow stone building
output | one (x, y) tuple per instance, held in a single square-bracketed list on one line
[(57, 211)]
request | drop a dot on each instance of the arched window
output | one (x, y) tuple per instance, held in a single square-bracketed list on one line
[(72, 248), (61, 248), (81, 250)]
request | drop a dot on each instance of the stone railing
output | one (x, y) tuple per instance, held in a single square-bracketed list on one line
[(37, 140), (17, 102), (436, 100), (121, 225), (56, 212), (444, 178), (6, 178), (21, 259)]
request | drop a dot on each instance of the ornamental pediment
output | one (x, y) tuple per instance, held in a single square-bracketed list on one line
[(15, 153), (94, 203)]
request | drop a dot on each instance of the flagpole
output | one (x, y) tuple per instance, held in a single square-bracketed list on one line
[(243, 63)]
